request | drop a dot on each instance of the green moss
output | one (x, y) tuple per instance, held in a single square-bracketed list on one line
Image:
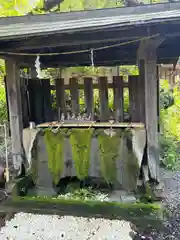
[(109, 151), (130, 161), (125, 211), (55, 143), (140, 214), (141, 206), (21, 186), (148, 193), (34, 164), (80, 140)]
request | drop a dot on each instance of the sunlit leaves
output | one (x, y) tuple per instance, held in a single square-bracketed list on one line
[(18, 7), (25, 6)]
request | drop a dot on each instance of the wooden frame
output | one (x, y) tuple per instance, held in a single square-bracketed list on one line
[(42, 111)]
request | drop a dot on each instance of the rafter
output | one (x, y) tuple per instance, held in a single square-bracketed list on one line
[(55, 41)]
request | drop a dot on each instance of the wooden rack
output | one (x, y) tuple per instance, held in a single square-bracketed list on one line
[(90, 124)]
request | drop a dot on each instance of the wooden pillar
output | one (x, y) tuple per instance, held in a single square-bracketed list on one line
[(24, 101), (88, 93), (36, 101), (60, 98), (7, 104), (134, 98), (74, 96), (103, 96), (15, 111), (48, 112), (141, 87), (147, 55), (158, 98), (118, 98)]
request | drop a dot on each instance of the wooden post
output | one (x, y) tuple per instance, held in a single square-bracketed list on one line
[(15, 111), (88, 93), (7, 103), (60, 98), (147, 53), (46, 88), (134, 99), (141, 95), (158, 99), (36, 101), (32, 115), (118, 98), (24, 101), (103, 95), (74, 96)]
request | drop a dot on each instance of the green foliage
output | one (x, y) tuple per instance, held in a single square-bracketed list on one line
[(126, 100), (55, 143), (170, 123), (109, 151), (169, 151), (18, 7), (74, 5), (129, 70), (171, 116), (3, 106), (80, 194), (7, 9), (80, 140)]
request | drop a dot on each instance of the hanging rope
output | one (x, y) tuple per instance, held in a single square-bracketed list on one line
[(92, 57), (81, 51)]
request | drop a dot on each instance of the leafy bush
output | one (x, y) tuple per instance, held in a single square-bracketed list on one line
[(170, 123), (3, 106), (169, 151)]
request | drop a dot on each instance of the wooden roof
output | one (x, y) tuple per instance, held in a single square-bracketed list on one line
[(85, 30), (71, 22)]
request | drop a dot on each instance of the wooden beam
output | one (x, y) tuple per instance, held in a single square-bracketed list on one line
[(51, 62), (103, 96), (148, 55), (146, 44), (94, 86), (88, 92), (15, 111), (74, 95), (60, 98), (77, 39), (118, 98), (90, 124)]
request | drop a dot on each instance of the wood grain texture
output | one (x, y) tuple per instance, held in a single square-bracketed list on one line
[(118, 98), (88, 93), (103, 97), (148, 54), (15, 111), (74, 96), (60, 98)]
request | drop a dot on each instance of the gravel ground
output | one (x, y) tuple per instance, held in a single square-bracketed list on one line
[(171, 229), (51, 227), (48, 227), (172, 201)]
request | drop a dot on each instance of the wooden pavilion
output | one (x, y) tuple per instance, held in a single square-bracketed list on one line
[(144, 36)]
